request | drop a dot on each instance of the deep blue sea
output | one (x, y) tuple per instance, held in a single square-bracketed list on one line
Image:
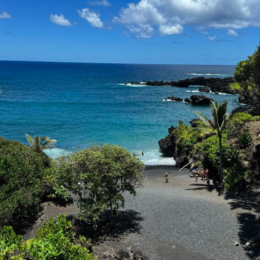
[(81, 104)]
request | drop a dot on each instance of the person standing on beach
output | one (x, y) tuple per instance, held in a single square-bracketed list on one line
[(207, 174), (142, 153), (196, 176), (166, 176)]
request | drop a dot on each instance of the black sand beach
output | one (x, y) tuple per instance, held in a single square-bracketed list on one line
[(173, 221)]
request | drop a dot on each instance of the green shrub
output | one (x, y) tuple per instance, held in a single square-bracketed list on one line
[(243, 117), (54, 241), (22, 173), (235, 86), (232, 169), (107, 172), (9, 242), (245, 139)]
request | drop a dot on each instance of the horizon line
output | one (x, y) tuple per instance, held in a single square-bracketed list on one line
[(118, 63)]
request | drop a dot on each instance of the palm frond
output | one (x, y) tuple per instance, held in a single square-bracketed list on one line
[(214, 112), (29, 139), (221, 113), (207, 122), (48, 144), (45, 138)]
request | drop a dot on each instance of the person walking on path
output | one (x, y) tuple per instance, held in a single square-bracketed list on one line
[(166, 176)]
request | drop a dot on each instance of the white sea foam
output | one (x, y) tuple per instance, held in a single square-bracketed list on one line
[(57, 152), (206, 74), (133, 85), (193, 91), (168, 100), (224, 94), (154, 157)]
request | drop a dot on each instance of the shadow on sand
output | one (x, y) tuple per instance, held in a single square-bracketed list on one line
[(126, 222), (201, 186), (249, 222)]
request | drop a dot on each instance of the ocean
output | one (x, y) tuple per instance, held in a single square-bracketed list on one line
[(83, 104)]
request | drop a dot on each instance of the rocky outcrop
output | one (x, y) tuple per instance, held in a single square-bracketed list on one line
[(187, 100), (213, 84), (168, 144), (200, 100), (204, 89), (174, 99), (194, 100)]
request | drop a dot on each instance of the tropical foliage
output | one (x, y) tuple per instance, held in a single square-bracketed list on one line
[(55, 240), (243, 117), (100, 176), (22, 173), (245, 139), (39, 144), (247, 74), (219, 122)]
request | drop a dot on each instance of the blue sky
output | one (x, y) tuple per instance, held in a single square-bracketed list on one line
[(139, 31)]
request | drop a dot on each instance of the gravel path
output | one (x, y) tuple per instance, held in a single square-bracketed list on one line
[(183, 220)]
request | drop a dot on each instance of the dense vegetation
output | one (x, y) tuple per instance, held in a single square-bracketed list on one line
[(247, 76), (99, 176), (55, 240), (22, 181), (237, 146)]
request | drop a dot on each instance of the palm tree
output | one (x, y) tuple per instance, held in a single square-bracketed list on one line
[(40, 144), (219, 122)]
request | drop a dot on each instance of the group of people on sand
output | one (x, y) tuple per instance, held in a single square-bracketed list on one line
[(204, 174)]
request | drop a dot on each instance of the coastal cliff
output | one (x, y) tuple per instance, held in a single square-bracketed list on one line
[(241, 161)]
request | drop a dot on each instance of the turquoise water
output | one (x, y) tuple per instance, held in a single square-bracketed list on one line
[(83, 104)]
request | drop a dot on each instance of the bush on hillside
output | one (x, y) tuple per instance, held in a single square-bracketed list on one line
[(54, 240), (22, 173), (232, 169), (244, 117)]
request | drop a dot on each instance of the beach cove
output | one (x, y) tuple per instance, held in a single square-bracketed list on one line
[(179, 220), (81, 104)]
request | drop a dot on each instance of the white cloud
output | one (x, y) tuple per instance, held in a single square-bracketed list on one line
[(102, 3), (91, 17), (232, 32), (216, 14), (60, 20), (212, 38), (5, 15), (170, 29), (142, 31)]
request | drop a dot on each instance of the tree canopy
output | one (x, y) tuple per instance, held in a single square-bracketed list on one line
[(22, 172), (39, 144), (100, 176), (219, 122), (247, 74)]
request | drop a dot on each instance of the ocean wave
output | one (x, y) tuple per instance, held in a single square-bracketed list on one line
[(57, 152), (158, 161), (194, 91), (133, 85), (168, 100), (207, 74)]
